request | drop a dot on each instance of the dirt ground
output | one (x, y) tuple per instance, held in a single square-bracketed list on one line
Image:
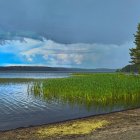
[(115, 126)]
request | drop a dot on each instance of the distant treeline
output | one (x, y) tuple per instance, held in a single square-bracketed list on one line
[(52, 69), (129, 68)]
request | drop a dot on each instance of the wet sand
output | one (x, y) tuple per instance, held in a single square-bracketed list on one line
[(115, 126)]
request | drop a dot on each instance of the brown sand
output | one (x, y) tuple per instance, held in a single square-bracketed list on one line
[(115, 126)]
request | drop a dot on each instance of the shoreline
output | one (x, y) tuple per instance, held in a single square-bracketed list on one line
[(69, 120), (118, 123)]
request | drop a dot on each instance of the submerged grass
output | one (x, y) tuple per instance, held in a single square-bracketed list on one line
[(88, 89), (17, 80)]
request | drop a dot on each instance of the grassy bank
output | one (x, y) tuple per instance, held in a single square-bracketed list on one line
[(91, 89)]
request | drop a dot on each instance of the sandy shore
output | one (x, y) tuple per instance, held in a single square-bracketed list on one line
[(115, 126)]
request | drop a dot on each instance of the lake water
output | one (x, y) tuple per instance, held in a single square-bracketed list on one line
[(34, 75), (20, 108)]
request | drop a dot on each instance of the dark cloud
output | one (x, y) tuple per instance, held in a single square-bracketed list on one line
[(18, 35), (70, 21)]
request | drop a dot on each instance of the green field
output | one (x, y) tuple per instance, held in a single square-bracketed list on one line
[(106, 90)]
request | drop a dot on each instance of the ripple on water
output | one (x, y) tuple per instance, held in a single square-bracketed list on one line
[(18, 108)]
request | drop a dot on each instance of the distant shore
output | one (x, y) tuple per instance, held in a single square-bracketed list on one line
[(51, 69), (123, 125)]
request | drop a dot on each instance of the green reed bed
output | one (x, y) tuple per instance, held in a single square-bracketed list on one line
[(18, 80), (89, 89)]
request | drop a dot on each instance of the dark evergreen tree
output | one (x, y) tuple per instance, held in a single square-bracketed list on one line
[(135, 52)]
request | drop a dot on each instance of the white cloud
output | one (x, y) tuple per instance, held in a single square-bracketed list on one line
[(48, 52)]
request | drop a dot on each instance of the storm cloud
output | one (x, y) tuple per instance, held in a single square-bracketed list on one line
[(72, 33), (73, 21)]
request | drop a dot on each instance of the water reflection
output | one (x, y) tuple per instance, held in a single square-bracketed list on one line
[(32, 75), (25, 102)]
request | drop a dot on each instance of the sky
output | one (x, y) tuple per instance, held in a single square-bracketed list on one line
[(68, 33)]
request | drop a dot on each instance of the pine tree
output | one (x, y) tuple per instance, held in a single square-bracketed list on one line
[(135, 52)]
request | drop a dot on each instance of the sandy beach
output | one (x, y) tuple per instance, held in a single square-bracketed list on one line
[(123, 125)]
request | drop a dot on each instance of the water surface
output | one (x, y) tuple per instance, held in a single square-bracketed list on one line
[(19, 107), (34, 75)]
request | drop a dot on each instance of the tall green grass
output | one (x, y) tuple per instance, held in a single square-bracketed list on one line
[(91, 89), (17, 80)]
